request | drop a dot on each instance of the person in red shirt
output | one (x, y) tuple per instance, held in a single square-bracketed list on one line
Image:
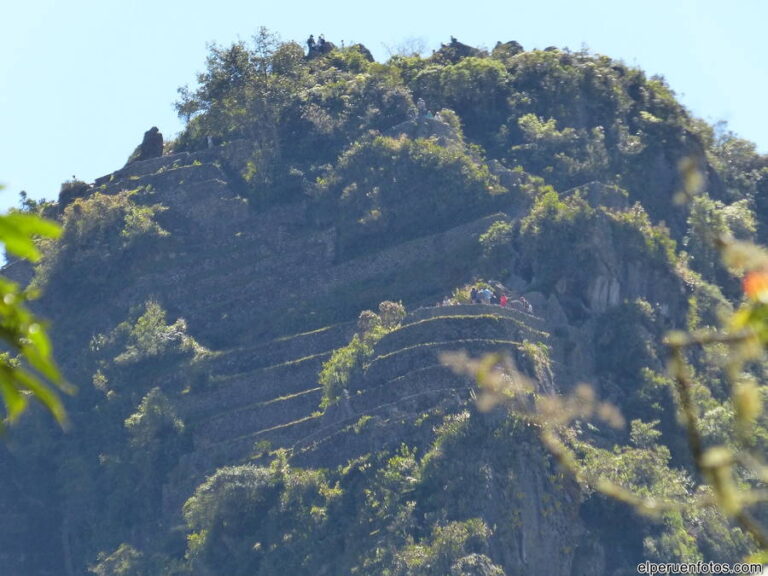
[(503, 301)]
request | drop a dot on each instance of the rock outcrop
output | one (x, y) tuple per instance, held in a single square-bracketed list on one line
[(151, 146)]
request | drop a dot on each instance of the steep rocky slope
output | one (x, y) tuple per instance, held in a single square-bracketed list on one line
[(212, 445), (245, 281)]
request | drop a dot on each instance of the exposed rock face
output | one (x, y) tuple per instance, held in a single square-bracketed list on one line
[(615, 266), (617, 278), (320, 48), (151, 146), (265, 290), (504, 50), (603, 293), (364, 51), (455, 51)]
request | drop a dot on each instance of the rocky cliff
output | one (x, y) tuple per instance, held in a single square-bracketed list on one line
[(195, 308), (259, 290)]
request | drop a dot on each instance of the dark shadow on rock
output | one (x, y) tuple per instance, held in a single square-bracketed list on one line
[(151, 146)]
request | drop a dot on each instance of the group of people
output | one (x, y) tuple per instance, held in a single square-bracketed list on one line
[(492, 297), (317, 47), (499, 298)]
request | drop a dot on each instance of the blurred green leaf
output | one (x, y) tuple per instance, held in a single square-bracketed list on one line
[(15, 401), (33, 373), (32, 225)]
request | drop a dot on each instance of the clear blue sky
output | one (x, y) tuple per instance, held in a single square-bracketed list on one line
[(81, 80)]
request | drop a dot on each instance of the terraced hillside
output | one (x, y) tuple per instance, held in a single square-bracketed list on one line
[(245, 276), (265, 397), (406, 379), (270, 297), (242, 411), (279, 403), (244, 281)]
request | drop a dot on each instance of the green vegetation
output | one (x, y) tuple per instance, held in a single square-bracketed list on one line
[(710, 220), (498, 235), (155, 417), (125, 561), (272, 506), (386, 186), (554, 223), (310, 188), (337, 371), (243, 92), (93, 229), (377, 515), (348, 361), (561, 240), (496, 243), (150, 336), (27, 369), (725, 428)]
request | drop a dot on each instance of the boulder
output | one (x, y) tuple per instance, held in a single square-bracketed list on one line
[(363, 50), (456, 51), (505, 50), (151, 146), (320, 48)]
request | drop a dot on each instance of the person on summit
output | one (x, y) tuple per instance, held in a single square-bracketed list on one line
[(311, 42)]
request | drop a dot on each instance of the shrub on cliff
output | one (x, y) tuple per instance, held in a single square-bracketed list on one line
[(496, 243), (340, 367), (347, 361), (242, 93), (95, 229), (566, 157), (391, 189), (71, 190), (709, 220), (562, 238), (339, 106), (553, 238), (476, 88), (147, 336), (249, 520), (640, 239)]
